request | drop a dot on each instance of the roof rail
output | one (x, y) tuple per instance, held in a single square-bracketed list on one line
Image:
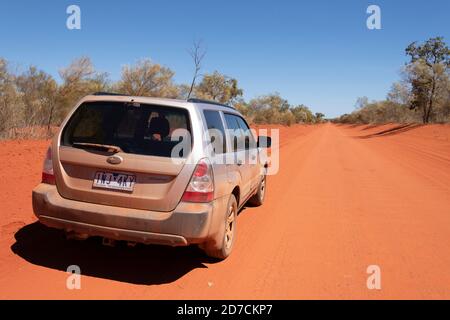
[(109, 94), (195, 100)]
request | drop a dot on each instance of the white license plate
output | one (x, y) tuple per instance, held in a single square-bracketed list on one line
[(114, 181)]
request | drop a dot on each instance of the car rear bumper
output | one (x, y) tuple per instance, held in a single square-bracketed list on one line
[(188, 223)]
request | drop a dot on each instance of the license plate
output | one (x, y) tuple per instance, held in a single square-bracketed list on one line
[(114, 181)]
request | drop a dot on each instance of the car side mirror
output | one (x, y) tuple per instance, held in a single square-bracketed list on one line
[(264, 142)]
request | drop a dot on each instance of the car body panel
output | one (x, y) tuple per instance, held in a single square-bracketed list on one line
[(154, 211)]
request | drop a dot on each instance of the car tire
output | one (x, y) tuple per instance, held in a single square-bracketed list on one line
[(258, 199), (223, 249)]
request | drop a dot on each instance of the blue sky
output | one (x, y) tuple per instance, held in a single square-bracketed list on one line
[(319, 53)]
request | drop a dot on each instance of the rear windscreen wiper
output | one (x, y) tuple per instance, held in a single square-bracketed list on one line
[(101, 147)]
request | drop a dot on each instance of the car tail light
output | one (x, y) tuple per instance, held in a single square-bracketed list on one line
[(201, 186), (48, 176)]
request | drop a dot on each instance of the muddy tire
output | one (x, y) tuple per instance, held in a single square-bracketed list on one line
[(258, 199), (222, 250)]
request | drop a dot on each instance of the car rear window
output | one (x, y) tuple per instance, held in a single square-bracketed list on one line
[(135, 128)]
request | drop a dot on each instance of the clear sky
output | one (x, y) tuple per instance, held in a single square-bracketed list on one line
[(319, 53)]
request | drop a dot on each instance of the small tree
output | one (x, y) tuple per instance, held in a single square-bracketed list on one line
[(361, 102), (428, 75), (197, 55), (39, 93), (150, 79), (79, 79), (274, 109), (9, 99), (218, 87), (399, 93), (302, 114), (319, 117)]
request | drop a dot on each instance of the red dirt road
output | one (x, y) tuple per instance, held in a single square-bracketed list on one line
[(346, 197)]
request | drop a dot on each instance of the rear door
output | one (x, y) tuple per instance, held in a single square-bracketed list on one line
[(251, 153), (217, 149), (241, 160), (122, 154)]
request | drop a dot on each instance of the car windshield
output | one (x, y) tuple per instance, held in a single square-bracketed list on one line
[(132, 128)]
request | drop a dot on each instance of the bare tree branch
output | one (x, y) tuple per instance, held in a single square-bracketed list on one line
[(197, 54)]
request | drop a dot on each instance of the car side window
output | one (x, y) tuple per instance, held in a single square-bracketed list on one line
[(216, 131), (235, 132), (250, 142)]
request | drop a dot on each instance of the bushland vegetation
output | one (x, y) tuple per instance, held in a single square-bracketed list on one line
[(421, 96), (33, 103)]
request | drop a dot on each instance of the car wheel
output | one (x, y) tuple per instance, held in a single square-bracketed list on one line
[(223, 250)]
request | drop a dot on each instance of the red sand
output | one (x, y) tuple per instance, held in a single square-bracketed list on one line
[(346, 197)]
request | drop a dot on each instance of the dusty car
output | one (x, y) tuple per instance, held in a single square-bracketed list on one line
[(149, 170)]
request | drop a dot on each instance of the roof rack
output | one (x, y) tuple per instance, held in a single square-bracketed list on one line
[(192, 100), (195, 100)]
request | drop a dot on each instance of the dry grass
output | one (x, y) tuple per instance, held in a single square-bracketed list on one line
[(29, 133)]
